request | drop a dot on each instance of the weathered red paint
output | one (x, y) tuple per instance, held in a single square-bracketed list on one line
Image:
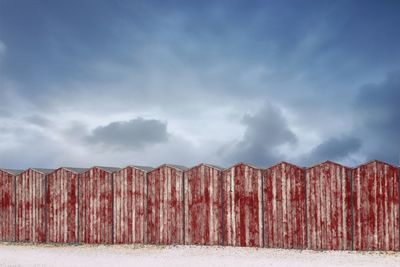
[(242, 206), (376, 206), (31, 202), (203, 205), (62, 206), (284, 207), (165, 210), (328, 207), (130, 205), (185, 206), (96, 208), (7, 205)]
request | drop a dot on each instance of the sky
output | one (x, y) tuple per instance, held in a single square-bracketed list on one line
[(120, 82)]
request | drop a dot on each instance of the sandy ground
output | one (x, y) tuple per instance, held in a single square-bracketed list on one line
[(49, 255)]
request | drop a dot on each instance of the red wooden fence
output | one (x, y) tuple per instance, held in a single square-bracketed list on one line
[(284, 207), (31, 203), (328, 207), (130, 205), (62, 201), (165, 223), (376, 206), (242, 206), (203, 202), (96, 207), (7, 205)]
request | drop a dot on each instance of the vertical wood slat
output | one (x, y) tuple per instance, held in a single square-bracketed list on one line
[(203, 205), (293, 215), (7, 206), (165, 208), (96, 209), (376, 207), (242, 185), (328, 207), (130, 197), (31, 221), (62, 206)]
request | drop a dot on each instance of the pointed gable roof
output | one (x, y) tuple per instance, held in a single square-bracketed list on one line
[(375, 161), (11, 171), (285, 162), (206, 164), (243, 163), (107, 169), (73, 169), (327, 162), (143, 168)]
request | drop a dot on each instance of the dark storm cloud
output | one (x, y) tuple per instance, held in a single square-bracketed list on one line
[(378, 107), (265, 132), (376, 129), (335, 149), (68, 61), (133, 134), (215, 41)]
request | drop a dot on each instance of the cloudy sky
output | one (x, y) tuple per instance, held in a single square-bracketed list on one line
[(117, 82)]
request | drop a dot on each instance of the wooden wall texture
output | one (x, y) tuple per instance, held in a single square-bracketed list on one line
[(165, 222), (242, 206), (284, 207), (62, 206), (130, 205), (329, 207), (324, 207), (203, 202), (7, 206), (376, 206), (96, 206), (31, 206)]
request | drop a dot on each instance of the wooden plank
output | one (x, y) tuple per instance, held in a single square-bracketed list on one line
[(242, 207), (203, 204), (62, 206), (284, 199), (376, 203), (96, 206), (7, 207), (165, 210), (30, 222), (129, 199), (328, 203)]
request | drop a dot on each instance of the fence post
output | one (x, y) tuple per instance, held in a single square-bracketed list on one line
[(351, 207), (15, 207), (262, 209), (305, 207), (46, 203)]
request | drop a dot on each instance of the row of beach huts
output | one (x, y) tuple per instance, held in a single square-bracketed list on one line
[(323, 207)]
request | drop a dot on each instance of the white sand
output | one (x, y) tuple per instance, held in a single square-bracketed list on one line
[(48, 255)]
